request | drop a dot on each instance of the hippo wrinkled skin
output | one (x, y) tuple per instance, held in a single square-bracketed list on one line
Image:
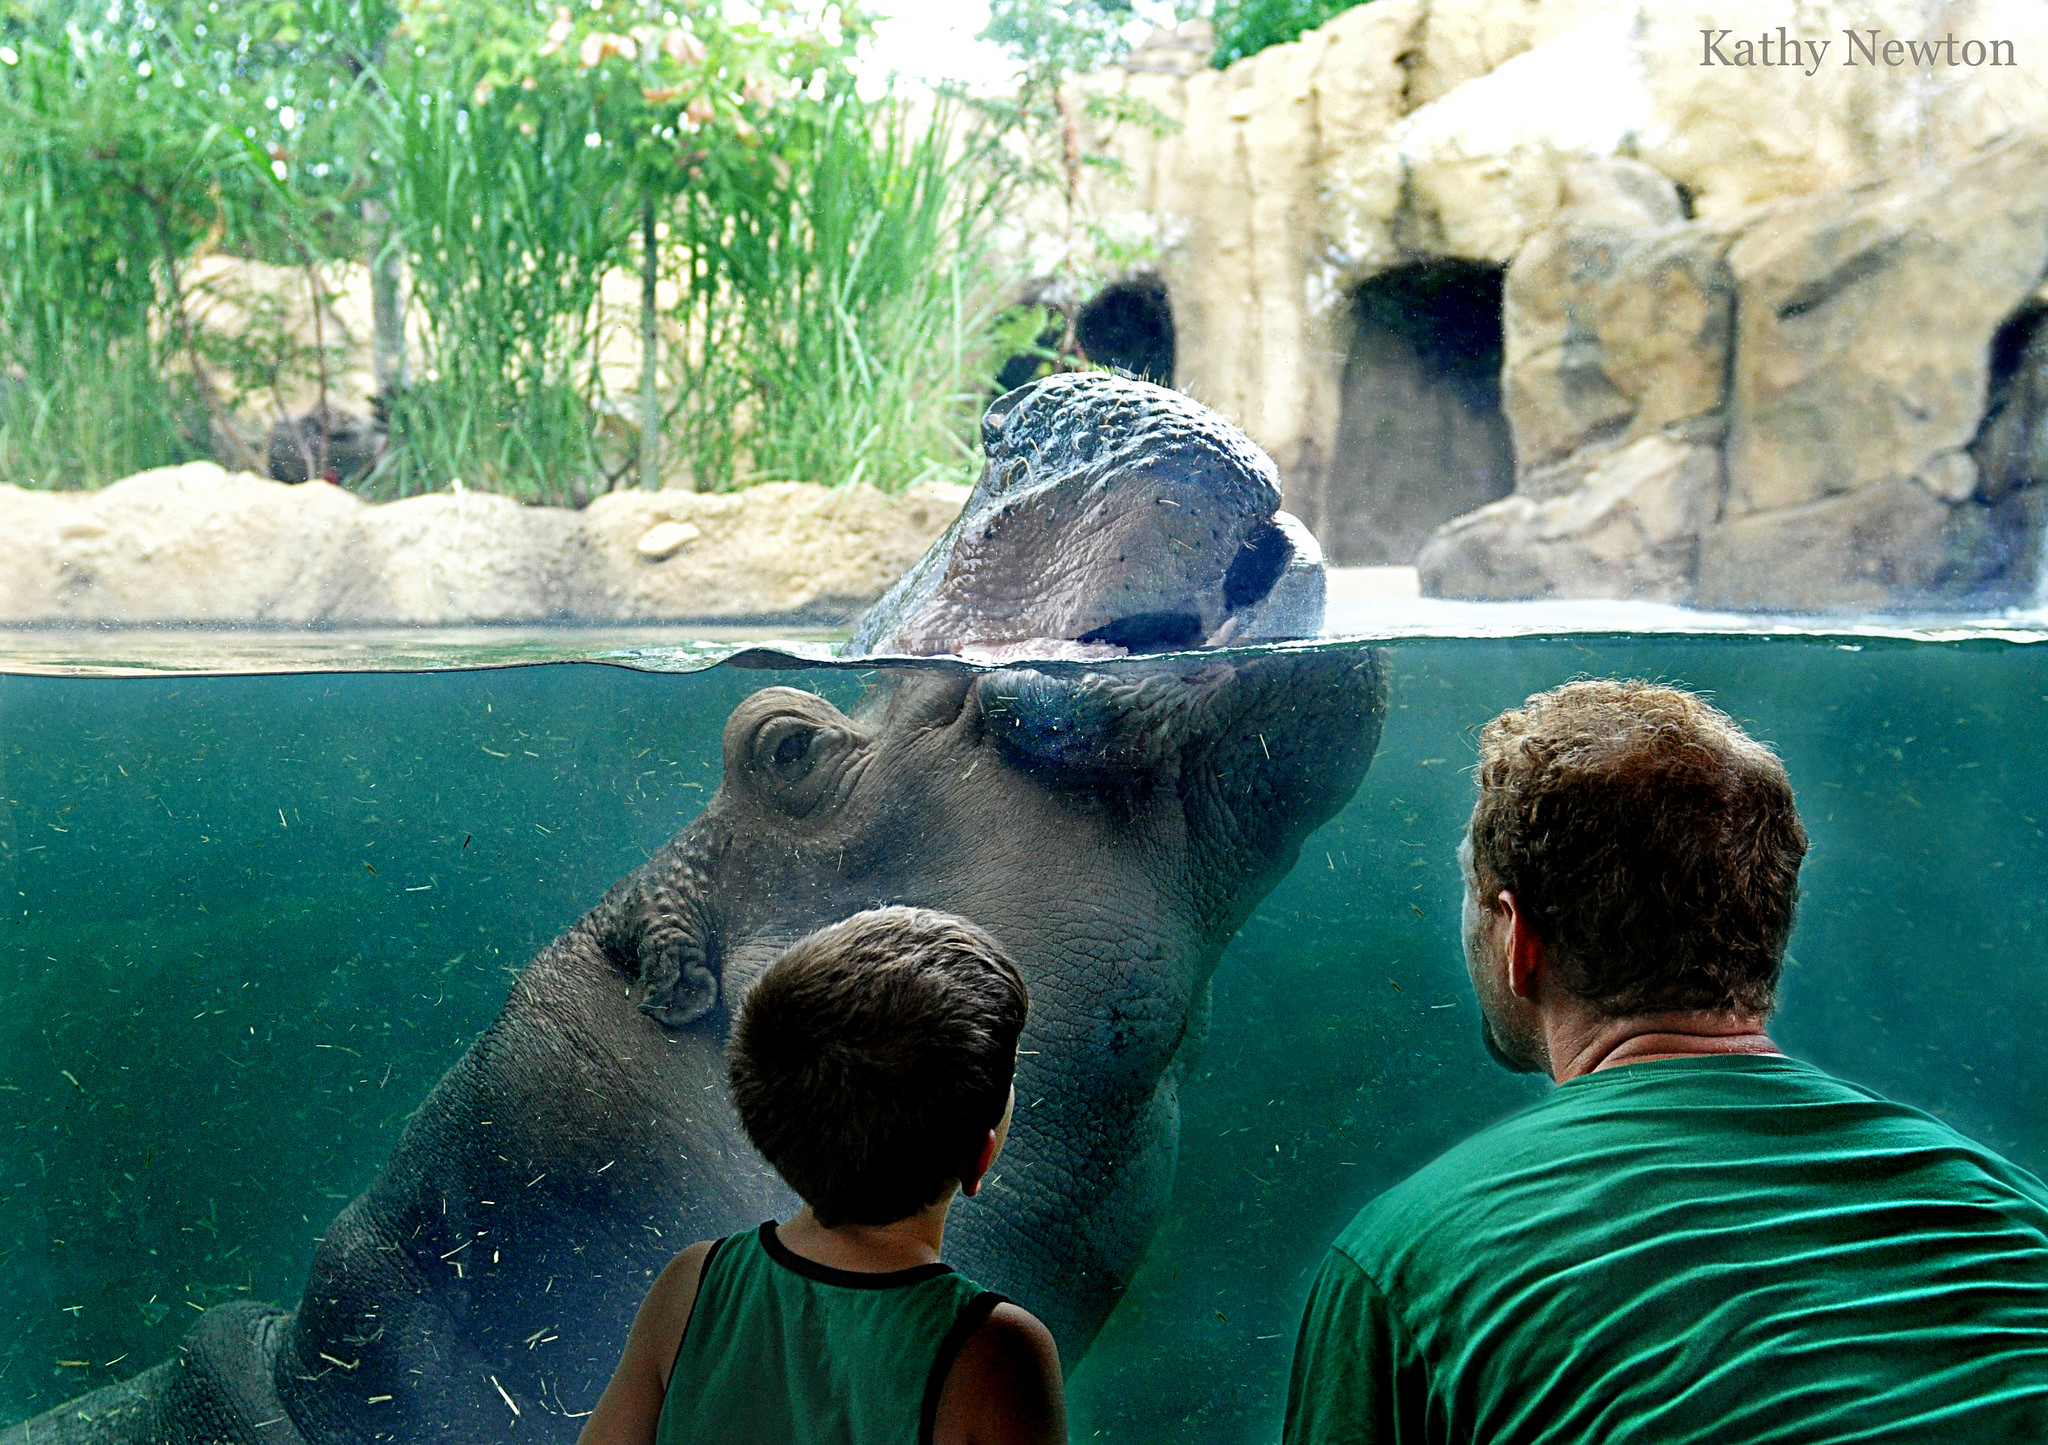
[(1111, 821)]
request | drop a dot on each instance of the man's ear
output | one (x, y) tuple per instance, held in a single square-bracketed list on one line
[(1528, 959)]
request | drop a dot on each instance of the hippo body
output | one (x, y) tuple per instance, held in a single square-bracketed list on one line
[(1111, 819)]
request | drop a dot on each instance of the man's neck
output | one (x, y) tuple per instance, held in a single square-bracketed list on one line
[(869, 1248), (1582, 1041)]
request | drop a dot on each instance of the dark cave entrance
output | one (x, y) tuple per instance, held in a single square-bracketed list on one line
[(1420, 436), (2000, 531), (1129, 325)]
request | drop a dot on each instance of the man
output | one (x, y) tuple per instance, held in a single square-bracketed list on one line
[(1694, 1238)]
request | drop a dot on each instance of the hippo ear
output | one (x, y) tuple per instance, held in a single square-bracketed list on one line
[(678, 981), (793, 750), (655, 927)]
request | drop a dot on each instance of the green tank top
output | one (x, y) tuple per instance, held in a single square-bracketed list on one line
[(781, 1351)]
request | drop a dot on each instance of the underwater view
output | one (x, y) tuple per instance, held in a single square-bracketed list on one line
[(255, 918)]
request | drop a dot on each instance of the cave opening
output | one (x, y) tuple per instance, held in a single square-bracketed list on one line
[(1421, 437), (2004, 523)]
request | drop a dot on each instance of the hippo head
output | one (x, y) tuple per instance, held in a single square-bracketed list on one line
[(1102, 784), (1112, 516)]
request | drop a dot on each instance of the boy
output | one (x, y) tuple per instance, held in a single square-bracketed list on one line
[(872, 1065)]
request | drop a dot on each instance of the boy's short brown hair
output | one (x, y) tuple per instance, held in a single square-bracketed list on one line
[(1652, 843), (870, 1061)]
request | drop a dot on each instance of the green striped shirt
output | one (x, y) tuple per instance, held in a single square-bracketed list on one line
[(782, 1351), (1726, 1248)]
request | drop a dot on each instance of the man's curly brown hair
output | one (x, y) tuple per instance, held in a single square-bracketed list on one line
[(1652, 844)]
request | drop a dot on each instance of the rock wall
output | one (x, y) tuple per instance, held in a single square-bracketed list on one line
[(1800, 391), (1748, 315), (196, 544)]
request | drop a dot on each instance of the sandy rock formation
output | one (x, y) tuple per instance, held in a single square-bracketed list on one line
[(1626, 523), (1794, 275), (1843, 350), (196, 544), (779, 549), (1616, 321)]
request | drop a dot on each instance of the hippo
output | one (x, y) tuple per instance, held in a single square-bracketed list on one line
[(1105, 782)]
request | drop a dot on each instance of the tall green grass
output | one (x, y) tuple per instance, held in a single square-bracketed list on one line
[(97, 215), (134, 138), (835, 323), (839, 320), (510, 219), (828, 274)]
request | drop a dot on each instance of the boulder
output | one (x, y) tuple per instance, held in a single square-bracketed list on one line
[(182, 544), (776, 550), (1483, 168), (1866, 318), (1617, 321), (665, 539), (1626, 522), (1736, 136), (1878, 344), (200, 544), (450, 558), (1887, 545)]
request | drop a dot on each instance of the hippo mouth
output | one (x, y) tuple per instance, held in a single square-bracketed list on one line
[(1272, 591), (1112, 518)]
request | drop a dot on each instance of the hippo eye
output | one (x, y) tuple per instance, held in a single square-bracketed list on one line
[(785, 747), (791, 750)]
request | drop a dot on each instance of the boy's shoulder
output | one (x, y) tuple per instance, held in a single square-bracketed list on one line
[(671, 1300), (1007, 1370)]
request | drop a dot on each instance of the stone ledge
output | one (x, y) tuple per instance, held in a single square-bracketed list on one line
[(199, 544)]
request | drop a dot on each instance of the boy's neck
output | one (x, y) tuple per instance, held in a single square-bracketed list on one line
[(869, 1248)]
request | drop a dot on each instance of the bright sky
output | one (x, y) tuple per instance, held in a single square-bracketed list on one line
[(929, 40)]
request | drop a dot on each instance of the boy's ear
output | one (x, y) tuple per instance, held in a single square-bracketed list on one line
[(970, 1181)]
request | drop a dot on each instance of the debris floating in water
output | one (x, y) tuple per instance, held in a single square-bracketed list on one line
[(505, 1397)]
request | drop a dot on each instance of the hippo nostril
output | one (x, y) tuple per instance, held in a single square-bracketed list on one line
[(1150, 632), (1256, 567), (999, 412)]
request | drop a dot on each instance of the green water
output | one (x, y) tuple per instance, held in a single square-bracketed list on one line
[(250, 920)]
